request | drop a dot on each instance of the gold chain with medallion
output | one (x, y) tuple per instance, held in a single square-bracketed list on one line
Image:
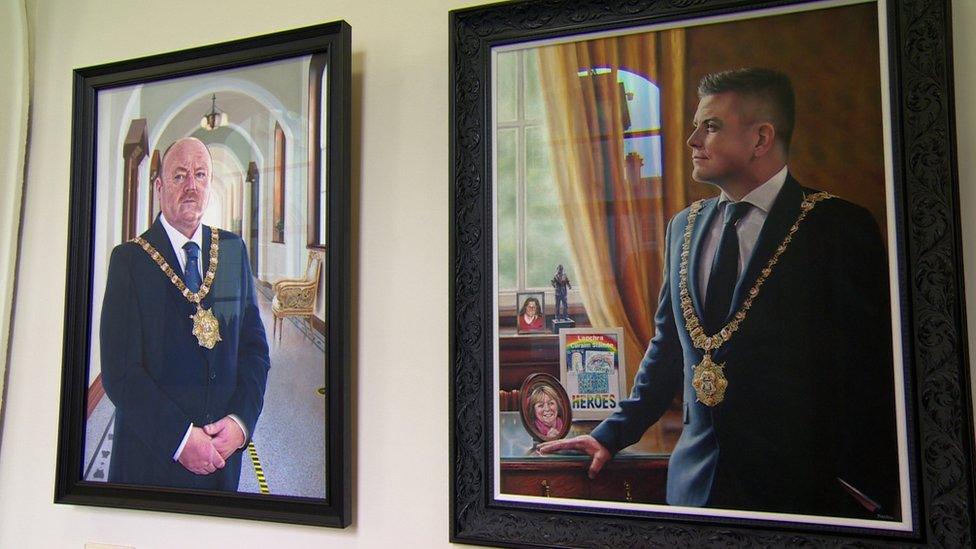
[(205, 325), (709, 378)]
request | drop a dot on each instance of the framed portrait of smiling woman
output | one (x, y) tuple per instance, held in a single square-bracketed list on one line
[(545, 410), (209, 252), (761, 197)]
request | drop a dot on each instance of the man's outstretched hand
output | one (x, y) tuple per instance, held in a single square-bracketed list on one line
[(583, 443)]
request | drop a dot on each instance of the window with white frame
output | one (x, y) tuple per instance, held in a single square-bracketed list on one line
[(531, 239)]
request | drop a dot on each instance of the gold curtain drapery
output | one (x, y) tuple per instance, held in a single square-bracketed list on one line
[(615, 225)]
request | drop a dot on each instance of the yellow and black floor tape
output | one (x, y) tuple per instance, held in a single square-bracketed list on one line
[(258, 470)]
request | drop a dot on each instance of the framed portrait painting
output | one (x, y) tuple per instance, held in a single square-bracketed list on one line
[(206, 327), (545, 410), (531, 312), (771, 221)]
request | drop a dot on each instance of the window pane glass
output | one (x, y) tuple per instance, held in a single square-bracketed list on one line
[(506, 102), (323, 158), (506, 207), (643, 101), (649, 148), (545, 237), (533, 90)]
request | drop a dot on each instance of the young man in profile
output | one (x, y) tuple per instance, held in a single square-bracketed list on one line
[(774, 324)]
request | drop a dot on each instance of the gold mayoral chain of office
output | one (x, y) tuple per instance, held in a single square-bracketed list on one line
[(205, 325), (709, 378)]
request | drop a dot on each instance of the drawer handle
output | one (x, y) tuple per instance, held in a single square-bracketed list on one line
[(546, 489), (629, 497)]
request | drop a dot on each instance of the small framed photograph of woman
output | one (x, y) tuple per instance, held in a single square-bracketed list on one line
[(544, 408), (531, 312)]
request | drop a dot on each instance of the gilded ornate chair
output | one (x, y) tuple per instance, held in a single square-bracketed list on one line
[(297, 297)]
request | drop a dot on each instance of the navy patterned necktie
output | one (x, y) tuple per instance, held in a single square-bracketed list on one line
[(725, 269), (191, 274)]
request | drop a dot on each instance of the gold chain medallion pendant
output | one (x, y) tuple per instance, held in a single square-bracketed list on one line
[(206, 327), (709, 381)]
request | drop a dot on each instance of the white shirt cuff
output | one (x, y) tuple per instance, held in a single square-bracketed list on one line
[(241, 425), (186, 437)]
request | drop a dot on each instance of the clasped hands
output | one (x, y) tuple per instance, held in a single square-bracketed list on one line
[(208, 448)]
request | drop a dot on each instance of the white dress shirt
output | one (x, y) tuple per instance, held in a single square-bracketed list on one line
[(178, 240), (747, 229)]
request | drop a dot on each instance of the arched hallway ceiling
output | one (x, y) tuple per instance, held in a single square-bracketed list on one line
[(242, 111), (228, 171)]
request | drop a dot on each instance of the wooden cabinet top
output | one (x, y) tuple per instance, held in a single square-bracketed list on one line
[(517, 446)]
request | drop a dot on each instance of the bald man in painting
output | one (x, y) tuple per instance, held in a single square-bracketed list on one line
[(184, 352)]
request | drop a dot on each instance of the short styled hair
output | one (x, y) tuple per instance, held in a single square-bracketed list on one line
[(544, 390), (770, 87)]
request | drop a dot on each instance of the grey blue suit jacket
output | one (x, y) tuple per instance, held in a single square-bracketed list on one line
[(157, 375), (810, 395)]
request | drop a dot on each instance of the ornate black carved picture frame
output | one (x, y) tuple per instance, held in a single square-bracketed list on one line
[(276, 114), (920, 204)]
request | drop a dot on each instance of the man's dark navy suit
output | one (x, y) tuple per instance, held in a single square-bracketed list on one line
[(158, 376), (810, 395)]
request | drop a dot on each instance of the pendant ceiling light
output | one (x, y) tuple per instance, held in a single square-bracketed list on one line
[(215, 118)]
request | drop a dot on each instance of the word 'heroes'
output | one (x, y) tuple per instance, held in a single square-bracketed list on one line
[(594, 402)]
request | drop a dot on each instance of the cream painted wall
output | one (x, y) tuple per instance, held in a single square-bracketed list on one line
[(400, 66), (13, 135)]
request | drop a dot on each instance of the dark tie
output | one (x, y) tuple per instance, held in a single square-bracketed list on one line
[(191, 274), (725, 270)]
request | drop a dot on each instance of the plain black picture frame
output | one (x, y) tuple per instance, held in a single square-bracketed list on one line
[(930, 280), (333, 39)]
